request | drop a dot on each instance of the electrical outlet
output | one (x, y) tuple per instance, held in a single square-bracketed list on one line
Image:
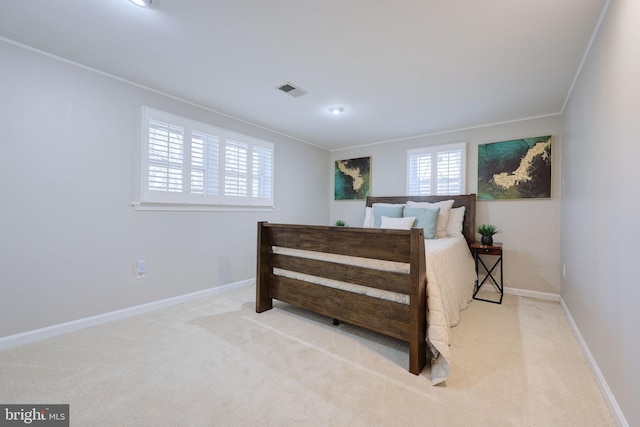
[(141, 269), (564, 271)]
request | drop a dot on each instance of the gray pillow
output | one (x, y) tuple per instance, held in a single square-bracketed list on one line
[(389, 211), (426, 218)]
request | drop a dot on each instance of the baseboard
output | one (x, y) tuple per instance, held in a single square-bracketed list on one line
[(602, 383), (532, 294), (547, 296), (75, 325)]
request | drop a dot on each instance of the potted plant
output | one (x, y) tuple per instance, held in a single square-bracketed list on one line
[(487, 231), (341, 223)]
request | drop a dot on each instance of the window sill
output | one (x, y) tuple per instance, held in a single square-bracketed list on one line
[(173, 207)]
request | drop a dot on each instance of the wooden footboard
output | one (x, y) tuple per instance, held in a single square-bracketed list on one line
[(406, 322)]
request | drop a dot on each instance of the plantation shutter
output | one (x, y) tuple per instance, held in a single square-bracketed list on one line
[(165, 157), (190, 163), (262, 173), (205, 163), (420, 174), (438, 170), (449, 172), (236, 158), (248, 170)]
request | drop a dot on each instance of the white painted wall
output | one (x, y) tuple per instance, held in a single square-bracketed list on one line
[(530, 228), (69, 237), (600, 203)]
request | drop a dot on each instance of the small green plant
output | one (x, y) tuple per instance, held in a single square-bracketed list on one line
[(487, 230), (341, 223)]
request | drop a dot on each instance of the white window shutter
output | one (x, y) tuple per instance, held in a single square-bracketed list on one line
[(262, 174), (236, 167), (419, 173), (205, 163), (186, 162), (436, 170), (166, 156), (449, 173)]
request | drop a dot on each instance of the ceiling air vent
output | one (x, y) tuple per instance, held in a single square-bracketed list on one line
[(292, 90)]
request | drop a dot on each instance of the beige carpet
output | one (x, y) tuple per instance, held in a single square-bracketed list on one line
[(215, 362)]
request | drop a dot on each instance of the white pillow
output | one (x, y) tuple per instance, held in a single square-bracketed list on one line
[(404, 223), (368, 217), (443, 217), (456, 220)]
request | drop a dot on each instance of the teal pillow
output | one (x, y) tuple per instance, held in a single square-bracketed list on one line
[(390, 211), (427, 219)]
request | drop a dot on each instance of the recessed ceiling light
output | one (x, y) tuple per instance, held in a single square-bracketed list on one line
[(150, 4), (335, 110)]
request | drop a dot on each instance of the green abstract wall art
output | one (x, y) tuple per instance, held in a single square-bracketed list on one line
[(517, 169), (353, 178)]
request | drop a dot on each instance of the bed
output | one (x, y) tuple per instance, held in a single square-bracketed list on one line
[(392, 281)]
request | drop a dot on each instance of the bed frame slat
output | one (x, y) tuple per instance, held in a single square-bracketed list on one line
[(382, 316), (390, 245), (386, 280)]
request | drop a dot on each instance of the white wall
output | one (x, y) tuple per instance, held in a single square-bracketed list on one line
[(600, 203), (530, 228), (69, 237)]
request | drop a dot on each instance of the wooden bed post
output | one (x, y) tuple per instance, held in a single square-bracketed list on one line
[(417, 304), (264, 301)]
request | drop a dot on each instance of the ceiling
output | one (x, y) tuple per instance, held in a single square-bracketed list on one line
[(400, 68)]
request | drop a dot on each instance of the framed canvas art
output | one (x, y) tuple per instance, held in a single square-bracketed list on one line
[(353, 178), (516, 169)]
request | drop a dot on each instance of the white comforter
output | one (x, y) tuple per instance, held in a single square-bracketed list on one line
[(451, 277), (450, 280)]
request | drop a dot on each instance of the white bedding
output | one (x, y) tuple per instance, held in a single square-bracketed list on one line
[(451, 276), (450, 280)]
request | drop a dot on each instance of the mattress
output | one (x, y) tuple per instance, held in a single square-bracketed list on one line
[(450, 280)]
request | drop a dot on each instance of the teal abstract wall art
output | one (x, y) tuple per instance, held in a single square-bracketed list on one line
[(353, 178), (517, 169)]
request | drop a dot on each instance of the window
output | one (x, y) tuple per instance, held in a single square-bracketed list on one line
[(188, 163), (438, 170)]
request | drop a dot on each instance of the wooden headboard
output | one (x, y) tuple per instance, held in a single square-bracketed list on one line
[(466, 200)]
